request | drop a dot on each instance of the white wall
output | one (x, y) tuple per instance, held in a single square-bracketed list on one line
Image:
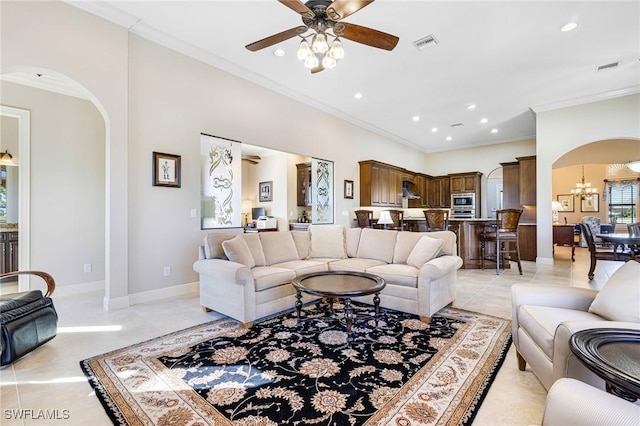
[(67, 184)]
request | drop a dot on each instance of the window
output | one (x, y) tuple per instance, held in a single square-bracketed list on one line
[(622, 202)]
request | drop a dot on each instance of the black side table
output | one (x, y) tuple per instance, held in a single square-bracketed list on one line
[(614, 355)]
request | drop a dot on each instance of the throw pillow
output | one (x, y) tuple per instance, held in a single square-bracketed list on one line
[(238, 251), (426, 249), (328, 241), (619, 298)]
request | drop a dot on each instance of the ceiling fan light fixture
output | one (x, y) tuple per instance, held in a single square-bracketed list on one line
[(311, 62), (319, 43), (634, 166), (337, 51), (328, 62), (303, 50)]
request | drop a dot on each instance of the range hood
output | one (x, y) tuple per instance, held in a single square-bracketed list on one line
[(407, 192)]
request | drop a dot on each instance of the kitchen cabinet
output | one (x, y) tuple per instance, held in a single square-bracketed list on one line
[(527, 180), (440, 196), (381, 184), (420, 188), (303, 184), (465, 182), (511, 185), (8, 252)]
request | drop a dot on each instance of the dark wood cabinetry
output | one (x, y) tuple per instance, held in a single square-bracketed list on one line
[(303, 184), (8, 252), (465, 182), (381, 184), (440, 195), (527, 180)]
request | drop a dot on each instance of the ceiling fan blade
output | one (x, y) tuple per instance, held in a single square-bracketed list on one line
[(298, 7), (340, 9), (276, 38), (369, 36)]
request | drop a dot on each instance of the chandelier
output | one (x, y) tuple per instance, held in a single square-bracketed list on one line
[(325, 48), (583, 189)]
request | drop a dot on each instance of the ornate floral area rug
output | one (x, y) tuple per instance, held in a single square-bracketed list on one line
[(279, 372)]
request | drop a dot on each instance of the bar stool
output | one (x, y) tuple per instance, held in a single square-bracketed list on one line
[(437, 219), (502, 232), (364, 218)]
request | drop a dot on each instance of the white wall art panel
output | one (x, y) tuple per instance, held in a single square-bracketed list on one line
[(221, 186), (322, 184)]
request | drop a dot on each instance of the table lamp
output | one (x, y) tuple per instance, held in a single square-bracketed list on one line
[(385, 219), (555, 208)]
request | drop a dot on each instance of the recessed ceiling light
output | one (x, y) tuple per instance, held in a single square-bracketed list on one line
[(279, 52), (416, 118), (472, 106), (358, 95), (494, 130), (434, 129), (484, 120), (569, 26), (449, 138)]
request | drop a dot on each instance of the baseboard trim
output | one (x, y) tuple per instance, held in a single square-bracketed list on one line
[(164, 293), (72, 289), (544, 260)]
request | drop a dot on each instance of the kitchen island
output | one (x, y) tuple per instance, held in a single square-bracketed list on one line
[(469, 232)]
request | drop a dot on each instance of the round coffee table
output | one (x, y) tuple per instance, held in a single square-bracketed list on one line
[(612, 354), (339, 284)]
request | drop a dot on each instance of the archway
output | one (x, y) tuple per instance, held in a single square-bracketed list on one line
[(51, 81)]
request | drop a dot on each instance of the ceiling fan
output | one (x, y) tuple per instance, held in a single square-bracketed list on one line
[(324, 18), (252, 159)]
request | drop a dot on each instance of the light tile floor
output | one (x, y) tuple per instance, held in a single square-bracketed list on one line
[(50, 377)]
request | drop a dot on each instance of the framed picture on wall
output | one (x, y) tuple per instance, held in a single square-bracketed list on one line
[(348, 189), (166, 170), (266, 191), (590, 204), (566, 201)]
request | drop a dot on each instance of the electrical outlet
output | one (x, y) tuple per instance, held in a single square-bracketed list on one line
[(167, 271), (87, 267), (194, 213)]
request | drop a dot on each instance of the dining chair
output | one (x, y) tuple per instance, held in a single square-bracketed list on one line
[(503, 232), (600, 251), (437, 219), (364, 218), (634, 229)]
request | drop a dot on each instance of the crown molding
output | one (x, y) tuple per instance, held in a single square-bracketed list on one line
[(586, 99)]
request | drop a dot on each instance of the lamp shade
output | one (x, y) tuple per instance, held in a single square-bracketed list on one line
[(385, 218), (556, 206)]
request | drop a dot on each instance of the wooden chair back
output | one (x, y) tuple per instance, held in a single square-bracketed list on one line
[(437, 219), (397, 216), (364, 218)]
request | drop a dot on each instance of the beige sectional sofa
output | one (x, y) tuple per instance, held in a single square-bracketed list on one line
[(248, 276)]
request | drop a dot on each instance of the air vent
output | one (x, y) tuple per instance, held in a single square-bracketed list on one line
[(457, 125), (425, 42), (606, 67)]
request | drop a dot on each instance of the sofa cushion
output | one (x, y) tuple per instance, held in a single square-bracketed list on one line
[(540, 323), (213, 244), (426, 249), (253, 241), (268, 276), (238, 251), (302, 240), (405, 242), (619, 298), (302, 267), (355, 264), (393, 273), (352, 239), (377, 244), (328, 241), (278, 247), (450, 239)]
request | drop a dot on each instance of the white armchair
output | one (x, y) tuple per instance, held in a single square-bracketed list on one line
[(545, 316), (573, 403)]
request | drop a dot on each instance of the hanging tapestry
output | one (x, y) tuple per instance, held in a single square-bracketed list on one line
[(220, 171), (322, 201)]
